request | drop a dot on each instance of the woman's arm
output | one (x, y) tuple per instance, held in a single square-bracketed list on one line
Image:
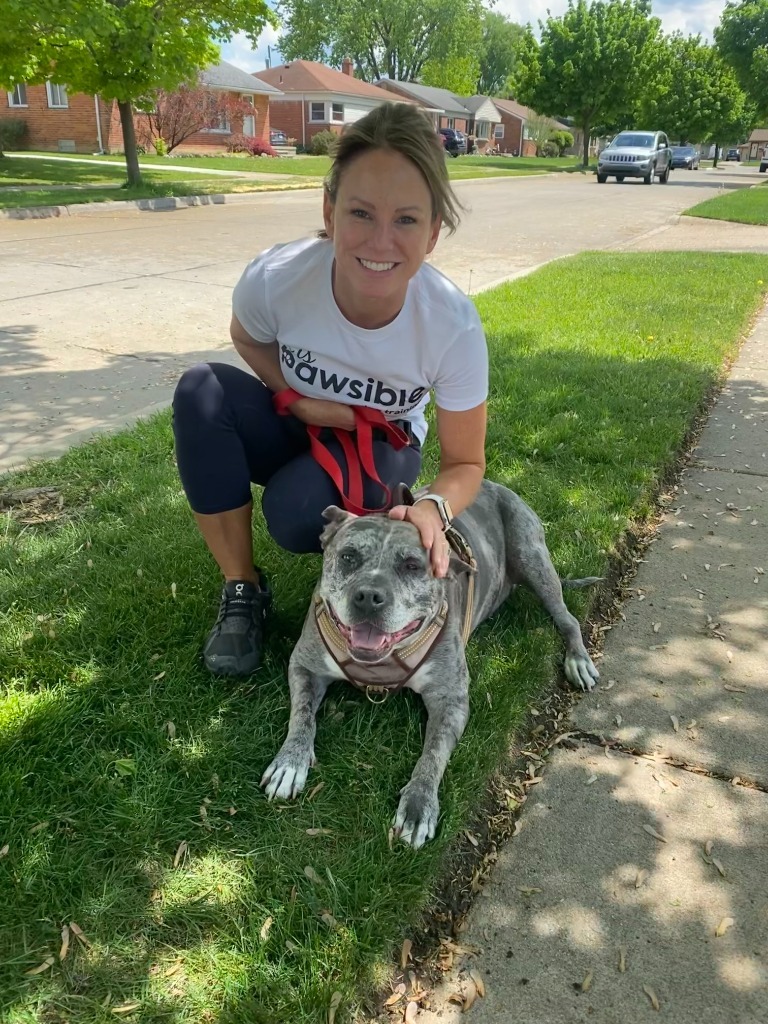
[(461, 436), (264, 360)]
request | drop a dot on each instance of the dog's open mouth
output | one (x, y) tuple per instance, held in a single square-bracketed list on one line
[(367, 642)]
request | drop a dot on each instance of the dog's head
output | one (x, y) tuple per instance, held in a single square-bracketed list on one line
[(377, 583)]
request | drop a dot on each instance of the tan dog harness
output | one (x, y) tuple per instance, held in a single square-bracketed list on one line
[(391, 674)]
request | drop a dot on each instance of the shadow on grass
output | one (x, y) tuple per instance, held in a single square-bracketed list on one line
[(117, 746)]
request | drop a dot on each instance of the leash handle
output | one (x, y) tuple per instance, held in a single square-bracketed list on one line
[(359, 457)]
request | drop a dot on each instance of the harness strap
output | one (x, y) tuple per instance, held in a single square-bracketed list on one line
[(358, 456)]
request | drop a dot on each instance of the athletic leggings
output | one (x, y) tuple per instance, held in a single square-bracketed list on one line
[(228, 436)]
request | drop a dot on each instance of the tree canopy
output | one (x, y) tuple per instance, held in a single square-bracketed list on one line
[(384, 38), (590, 64), (498, 52), (124, 50), (742, 38)]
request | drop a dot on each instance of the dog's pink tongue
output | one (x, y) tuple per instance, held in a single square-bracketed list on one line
[(367, 637)]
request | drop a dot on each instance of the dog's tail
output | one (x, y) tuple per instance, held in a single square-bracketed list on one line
[(587, 581)]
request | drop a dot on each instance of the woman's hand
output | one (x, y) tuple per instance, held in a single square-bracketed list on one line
[(317, 412), (426, 518)]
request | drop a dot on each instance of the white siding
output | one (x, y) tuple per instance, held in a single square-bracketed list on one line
[(355, 109)]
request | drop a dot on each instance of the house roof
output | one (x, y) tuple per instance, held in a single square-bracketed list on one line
[(759, 135), (515, 108), (226, 76), (311, 76), (484, 105), (428, 95)]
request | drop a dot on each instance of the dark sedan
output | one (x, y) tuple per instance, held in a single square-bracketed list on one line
[(686, 157)]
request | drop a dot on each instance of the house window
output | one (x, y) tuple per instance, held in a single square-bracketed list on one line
[(498, 131), (57, 95), (451, 122), (316, 111), (483, 130), (18, 97), (337, 111)]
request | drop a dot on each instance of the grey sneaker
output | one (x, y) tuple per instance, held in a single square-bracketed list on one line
[(234, 645)]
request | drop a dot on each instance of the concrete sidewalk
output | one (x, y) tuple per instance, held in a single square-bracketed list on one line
[(636, 886)]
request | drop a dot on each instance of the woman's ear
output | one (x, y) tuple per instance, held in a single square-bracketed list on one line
[(328, 207), (434, 234)]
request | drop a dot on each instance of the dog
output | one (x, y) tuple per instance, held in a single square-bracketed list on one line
[(382, 620)]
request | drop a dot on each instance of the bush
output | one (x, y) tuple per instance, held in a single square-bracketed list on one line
[(247, 144), (13, 133), (161, 146), (550, 149), (562, 139), (324, 143)]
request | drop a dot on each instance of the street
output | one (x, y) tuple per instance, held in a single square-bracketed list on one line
[(101, 313)]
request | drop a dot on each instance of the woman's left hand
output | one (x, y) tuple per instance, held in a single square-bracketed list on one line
[(426, 518)]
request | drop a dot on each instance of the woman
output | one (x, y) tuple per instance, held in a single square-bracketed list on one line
[(353, 318)]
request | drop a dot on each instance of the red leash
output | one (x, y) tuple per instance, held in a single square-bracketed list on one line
[(359, 458)]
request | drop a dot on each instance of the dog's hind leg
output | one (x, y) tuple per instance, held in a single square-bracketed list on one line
[(538, 573), (448, 711), (287, 775)]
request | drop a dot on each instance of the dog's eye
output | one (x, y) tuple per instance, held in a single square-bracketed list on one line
[(349, 559), (413, 565)]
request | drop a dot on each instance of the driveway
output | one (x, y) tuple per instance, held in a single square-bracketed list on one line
[(100, 314)]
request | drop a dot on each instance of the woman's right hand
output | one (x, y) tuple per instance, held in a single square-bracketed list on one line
[(317, 412)]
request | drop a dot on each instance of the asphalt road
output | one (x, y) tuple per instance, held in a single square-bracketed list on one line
[(100, 314)]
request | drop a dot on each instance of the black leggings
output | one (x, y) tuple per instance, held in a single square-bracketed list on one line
[(229, 436)]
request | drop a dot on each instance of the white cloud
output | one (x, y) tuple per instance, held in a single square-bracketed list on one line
[(238, 51)]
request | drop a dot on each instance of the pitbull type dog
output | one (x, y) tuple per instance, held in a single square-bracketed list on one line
[(381, 619)]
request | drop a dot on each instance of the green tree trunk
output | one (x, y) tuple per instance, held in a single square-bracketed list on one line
[(129, 142)]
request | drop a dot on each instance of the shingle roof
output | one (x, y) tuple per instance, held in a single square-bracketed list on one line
[(226, 76), (311, 76), (440, 99), (759, 135), (515, 108)]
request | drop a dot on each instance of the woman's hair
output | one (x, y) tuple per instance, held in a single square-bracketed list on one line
[(402, 128)]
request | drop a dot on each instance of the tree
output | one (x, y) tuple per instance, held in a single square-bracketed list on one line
[(694, 93), (498, 52), (385, 38), (590, 63), (123, 50), (742, 38), (457, 74), (174, 116)]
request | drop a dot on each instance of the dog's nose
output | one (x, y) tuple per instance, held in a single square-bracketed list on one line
[(368, 600)]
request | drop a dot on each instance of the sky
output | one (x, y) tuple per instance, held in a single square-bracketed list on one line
[(691, 17)]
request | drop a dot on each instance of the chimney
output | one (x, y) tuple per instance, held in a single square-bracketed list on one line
[(346, 67)]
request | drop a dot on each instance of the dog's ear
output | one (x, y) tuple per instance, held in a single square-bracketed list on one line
[(335, 517), (401, 495)]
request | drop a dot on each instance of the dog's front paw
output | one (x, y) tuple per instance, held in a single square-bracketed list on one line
[(287, 775), (416, 818), (580, 670)]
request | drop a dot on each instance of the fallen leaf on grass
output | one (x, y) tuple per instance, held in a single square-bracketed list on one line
[(312, 875), (622, 959), (471, 995), (126, 1007), (410, 1013), (719, 866), (264, 932), (675, 722), (64, 942), (333, 1006), (724, 925), (590, 780), (405, 952), (4, 851), (640, 877), (183, 847), (328, 918), (586, 984), (48, 962), (652, 996), (173, 969), (708, 847), (652, 832), (77, 931), (396, 996), (315, 790), (479, 983), (734, 689), (319, 832)]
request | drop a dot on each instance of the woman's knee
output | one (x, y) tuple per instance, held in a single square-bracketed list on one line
[(193, 391), (294, 526)]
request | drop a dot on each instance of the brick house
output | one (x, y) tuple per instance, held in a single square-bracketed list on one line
[(755, 146), (315, 98), (445, 109), (76, 123)]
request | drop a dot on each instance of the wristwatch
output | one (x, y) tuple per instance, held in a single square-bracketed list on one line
[(446, 514)]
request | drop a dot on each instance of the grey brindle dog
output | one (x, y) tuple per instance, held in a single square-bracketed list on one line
[(381, 619)]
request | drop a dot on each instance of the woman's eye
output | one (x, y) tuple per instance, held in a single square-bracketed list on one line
[(407, 220), (362, 214)]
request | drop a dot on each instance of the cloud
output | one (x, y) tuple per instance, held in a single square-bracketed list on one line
[(238, 50)]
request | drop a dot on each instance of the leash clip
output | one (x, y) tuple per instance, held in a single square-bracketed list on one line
[(383, 692)]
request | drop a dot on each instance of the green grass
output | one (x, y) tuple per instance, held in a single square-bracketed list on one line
[(745, 206), (599, 364)]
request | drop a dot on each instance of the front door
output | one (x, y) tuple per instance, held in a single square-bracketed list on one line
[(249, 121)]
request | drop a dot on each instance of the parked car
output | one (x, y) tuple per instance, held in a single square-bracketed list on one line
[(733, 154), (277, 138), (636, 154), (764, 162), (455, 142), (686, 157)]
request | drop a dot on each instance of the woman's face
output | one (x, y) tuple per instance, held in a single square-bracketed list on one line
[(382, 227)]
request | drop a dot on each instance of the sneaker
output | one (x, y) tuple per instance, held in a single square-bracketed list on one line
[(234, 645)]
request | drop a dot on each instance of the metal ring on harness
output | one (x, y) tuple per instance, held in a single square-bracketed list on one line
[(383, 693)]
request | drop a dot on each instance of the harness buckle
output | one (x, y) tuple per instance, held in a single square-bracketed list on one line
[(383, 692)]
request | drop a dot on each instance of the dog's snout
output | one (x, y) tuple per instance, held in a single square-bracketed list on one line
[(368, 600)]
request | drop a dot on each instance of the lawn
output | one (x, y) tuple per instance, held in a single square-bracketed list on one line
[(85, 179), (129, 778), (745, 206)]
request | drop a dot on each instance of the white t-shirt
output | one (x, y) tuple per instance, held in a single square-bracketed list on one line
[(436, 342)]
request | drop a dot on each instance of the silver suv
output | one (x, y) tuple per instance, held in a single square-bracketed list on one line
[(636, 155)]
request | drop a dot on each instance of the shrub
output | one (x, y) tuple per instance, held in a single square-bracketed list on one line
[(550, 148), (562, 139), (247, 144), (324, 142), (13, 133), (161, 146)]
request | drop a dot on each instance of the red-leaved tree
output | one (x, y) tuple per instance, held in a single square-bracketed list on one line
[(177, 115)]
